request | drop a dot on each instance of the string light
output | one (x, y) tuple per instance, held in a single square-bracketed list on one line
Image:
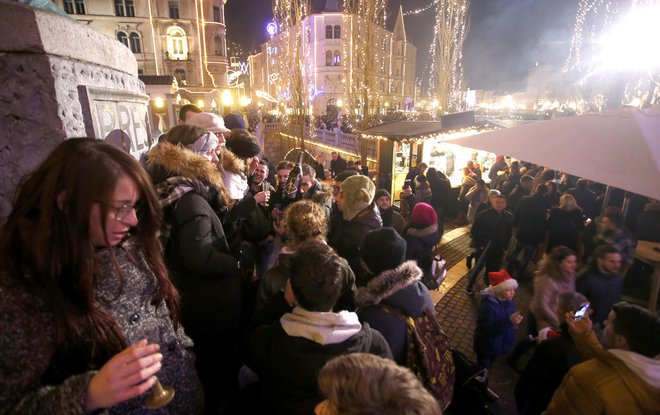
[(422, 10)]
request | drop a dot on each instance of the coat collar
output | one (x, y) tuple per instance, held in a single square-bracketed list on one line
[(178, 161), (389, 282)]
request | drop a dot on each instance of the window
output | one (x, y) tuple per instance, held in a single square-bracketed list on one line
[(135, 43), (218, 15), (177, 44), (125, 8), (180, 75), (74, 6), (174, 9), (219, 45), (337, 32), (123, 38), (328, 32), (337, 59), (328, 58)]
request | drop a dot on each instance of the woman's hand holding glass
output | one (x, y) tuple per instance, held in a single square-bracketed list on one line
[(128, 374)]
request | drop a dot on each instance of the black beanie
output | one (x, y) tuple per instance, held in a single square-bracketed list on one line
[(383, 249), (382, 192)]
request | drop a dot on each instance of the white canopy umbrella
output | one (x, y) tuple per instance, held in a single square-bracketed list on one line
[(619, 148)]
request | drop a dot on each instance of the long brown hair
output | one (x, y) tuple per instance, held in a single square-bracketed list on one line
[(46, 245), (550, 266)]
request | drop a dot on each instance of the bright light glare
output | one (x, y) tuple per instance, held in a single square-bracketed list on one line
[(633, 43), (227, 99), (245, 101)]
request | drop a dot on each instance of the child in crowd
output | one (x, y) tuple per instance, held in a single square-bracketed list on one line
[(497, 319)]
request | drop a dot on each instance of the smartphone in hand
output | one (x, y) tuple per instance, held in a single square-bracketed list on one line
[(581, 311)]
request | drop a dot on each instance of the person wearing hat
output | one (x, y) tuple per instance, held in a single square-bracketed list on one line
[(387, 213), (359, 215), (210, 122), (239, 147), (497, 319), (422, 236), (392, 281), (234, 121), (477, 195), (198, 249)]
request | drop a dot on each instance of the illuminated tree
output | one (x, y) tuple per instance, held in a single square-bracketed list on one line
[(608, 64), (446, 77), (293, 64)]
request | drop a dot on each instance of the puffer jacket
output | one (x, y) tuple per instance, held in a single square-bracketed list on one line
[(402, 289), (612, 382), (198, 257), (494, 334), (420, 245)]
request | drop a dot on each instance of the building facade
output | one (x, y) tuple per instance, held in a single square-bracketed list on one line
[(185, 39), (329, 46)]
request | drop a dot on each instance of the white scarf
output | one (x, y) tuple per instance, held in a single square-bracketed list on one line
[(321, 328)]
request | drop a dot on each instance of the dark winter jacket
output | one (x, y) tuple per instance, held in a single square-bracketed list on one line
[(586, 199), (564, 228), (347, 237), (337, 166), (393, 219), (35, 380), (490, 226), (288, 366), (602, 290), (495, 333), (420, 245), (531, 218), (550, 362), (514, 197), (402, 289), (274, 280), (257, 224), (198, 255)]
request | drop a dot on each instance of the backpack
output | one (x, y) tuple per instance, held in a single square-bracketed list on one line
[(428, 354), (438, 272)]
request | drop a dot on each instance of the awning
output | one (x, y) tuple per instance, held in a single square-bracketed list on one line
[(420, 130)]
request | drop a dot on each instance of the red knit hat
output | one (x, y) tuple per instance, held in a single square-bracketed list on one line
[(498, 277), (424, 214)]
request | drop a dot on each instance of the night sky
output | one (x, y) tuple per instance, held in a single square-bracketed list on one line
[(505, 39)]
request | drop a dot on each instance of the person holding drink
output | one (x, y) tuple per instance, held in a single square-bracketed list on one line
[(82, 287)]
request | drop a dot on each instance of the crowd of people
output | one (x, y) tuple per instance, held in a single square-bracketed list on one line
[(252, 287)]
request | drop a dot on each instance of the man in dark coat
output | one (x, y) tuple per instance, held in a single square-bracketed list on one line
[(522, 189), (288, 354), (390, 217), (601, 282), (530, 218), (359, 216), (337, 165), (491, 233)]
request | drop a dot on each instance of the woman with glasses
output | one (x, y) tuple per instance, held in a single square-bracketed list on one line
[(88, 315)]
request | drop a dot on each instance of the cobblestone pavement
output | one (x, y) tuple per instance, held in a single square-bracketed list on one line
[(457, 313)]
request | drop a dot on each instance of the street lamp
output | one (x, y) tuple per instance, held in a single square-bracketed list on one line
[(227, 100), (159, 110), (200, 104)]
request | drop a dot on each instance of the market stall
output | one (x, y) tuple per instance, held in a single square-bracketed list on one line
[(405, 144)]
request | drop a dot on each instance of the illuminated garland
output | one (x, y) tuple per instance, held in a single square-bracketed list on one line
[(422, 10), (449, 135)]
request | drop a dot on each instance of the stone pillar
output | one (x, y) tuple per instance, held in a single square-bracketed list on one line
[(61, 79)]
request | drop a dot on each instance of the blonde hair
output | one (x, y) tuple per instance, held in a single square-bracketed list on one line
[(567, 202), (360, 383), (305, 220)]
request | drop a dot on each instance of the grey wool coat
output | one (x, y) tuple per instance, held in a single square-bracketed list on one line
[(27, 343)]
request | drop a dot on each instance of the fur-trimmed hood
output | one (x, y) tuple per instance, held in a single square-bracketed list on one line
[(167, 160), (231, 162), (389, 282), (423, 232)]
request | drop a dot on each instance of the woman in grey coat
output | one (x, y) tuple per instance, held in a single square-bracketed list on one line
[(88, 315)]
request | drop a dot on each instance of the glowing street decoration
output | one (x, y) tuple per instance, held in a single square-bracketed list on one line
[(271, 29)]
